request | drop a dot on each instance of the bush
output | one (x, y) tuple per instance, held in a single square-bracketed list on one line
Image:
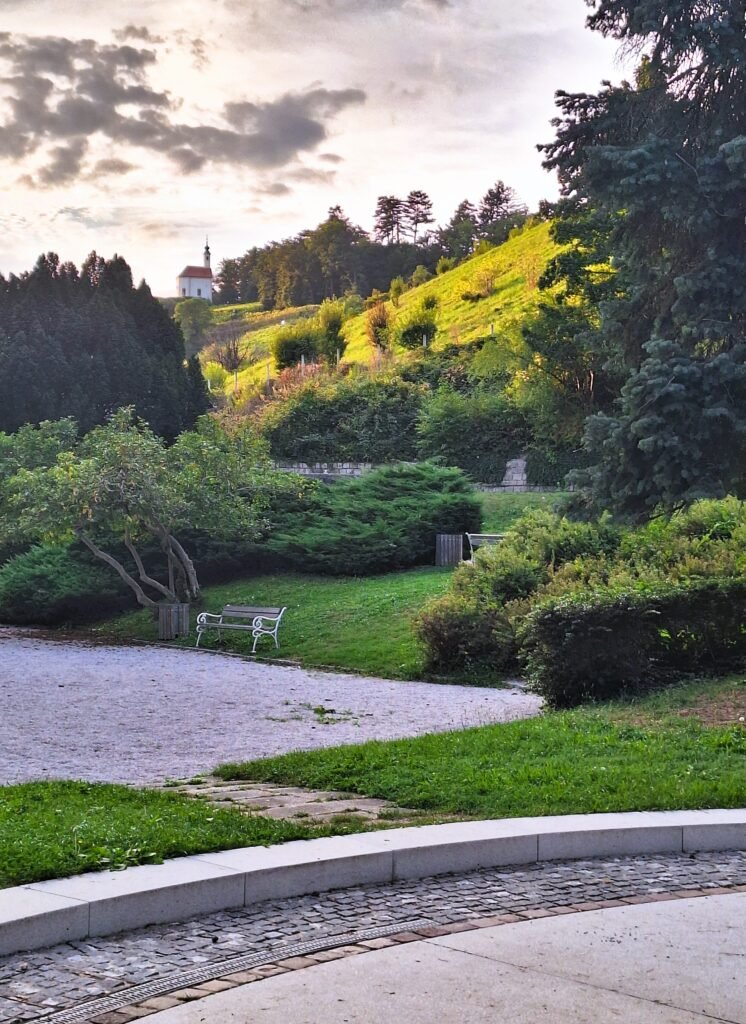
[(384, 520), (416, 326), (331, 341), (353, 419), (420, 275), (444, 264), (301, 339), (458, 634), (378, 326), (599, 645), (396, 289), (49, 585), (476, 432), (471, 296)]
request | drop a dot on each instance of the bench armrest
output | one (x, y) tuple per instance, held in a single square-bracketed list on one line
[(204, 618)]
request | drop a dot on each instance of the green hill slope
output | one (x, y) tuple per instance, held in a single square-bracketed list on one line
[(508, 276)]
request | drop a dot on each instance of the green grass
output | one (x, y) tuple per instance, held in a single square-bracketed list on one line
[(362, 625), (501, 509), (56, 829), (583, 761), (516, 265)]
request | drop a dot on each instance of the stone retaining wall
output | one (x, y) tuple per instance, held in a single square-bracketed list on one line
[(515, 479)]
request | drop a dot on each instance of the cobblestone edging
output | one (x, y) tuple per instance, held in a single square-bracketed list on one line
[(124, 977)]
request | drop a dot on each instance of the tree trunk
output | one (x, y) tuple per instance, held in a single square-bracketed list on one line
[(193, 588), (144, 578)]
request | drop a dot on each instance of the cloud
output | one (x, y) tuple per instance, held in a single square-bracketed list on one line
[(111, 165), (139, 32), (277, 188), (100, 90)]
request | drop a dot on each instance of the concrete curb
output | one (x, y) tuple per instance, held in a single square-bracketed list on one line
[(102, 903)]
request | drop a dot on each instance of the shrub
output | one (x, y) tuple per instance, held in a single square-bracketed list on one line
[(331, 341), (471, 296), (396, 289), (458, 634), (378, 326), (416, 327), (353, 419), (49, 585), (476, 432), (444, 264), (598, 645), (301, 339), (386, 519), (430, 302), (420, 275)]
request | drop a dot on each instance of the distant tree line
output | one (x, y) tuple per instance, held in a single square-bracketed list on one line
[(82, 343), (339, 257)]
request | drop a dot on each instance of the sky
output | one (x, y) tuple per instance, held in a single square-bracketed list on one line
[(141, 127)]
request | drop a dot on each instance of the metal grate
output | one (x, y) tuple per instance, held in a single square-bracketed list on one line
[(218, 969)]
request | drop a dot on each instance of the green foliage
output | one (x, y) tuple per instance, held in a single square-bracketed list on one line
[(444, 264), (81, 343), (386, 519), (653, 173), (417, 327), (294, 342), (49, 585), (477, 432), (121, 485), (459, 635), (331, 341), (420, 274), (600, 644), (348, 419), (396, 289), (194, 317)]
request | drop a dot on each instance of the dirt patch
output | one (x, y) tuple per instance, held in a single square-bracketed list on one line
[(725, 708)]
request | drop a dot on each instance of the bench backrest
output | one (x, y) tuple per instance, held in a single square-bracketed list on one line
[(242, 611), (475, 539)]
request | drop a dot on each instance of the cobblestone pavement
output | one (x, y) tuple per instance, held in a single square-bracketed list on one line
[(35, 984), (145, 714)]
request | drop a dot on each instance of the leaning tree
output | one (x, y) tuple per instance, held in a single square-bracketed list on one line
[(121, 488)]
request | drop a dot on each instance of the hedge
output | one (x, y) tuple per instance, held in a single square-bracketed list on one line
[(600, 645)]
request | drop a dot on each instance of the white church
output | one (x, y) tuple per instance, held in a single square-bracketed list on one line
[(196, 282)]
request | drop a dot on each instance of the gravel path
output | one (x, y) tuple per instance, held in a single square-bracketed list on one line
[(145, 714)]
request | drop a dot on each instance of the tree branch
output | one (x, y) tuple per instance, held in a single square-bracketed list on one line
[(142, 597)]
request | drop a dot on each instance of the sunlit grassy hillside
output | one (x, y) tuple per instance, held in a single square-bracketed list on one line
[(508, 273)]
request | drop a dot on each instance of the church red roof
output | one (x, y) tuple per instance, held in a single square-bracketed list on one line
[(196, 272)]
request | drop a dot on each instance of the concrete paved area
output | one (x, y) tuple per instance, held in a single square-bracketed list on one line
[(145, 714), (661, 963)]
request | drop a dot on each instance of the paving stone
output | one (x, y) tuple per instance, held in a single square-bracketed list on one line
[(34, 984)]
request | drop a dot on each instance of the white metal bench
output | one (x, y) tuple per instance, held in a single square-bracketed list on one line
[(477, 540), (260, 621)]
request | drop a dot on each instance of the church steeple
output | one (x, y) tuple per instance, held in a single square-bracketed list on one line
[(207, 252)]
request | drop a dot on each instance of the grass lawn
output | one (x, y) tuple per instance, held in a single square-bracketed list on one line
[(640, 756), (56, 829), (363, 625), (501, 509)]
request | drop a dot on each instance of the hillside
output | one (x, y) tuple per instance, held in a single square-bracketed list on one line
[(508, 274)]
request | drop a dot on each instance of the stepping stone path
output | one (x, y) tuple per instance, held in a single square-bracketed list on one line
[(313, 806)]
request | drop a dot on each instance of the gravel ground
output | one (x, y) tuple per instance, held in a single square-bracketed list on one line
[(146, 714)]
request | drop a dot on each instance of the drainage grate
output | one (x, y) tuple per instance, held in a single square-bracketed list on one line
[(218, 969)]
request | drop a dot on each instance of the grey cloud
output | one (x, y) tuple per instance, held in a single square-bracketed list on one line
[(277, 188), (312, 175), (331, 158), (140, 32), (112, 165), (65, 163), (92, 81)]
